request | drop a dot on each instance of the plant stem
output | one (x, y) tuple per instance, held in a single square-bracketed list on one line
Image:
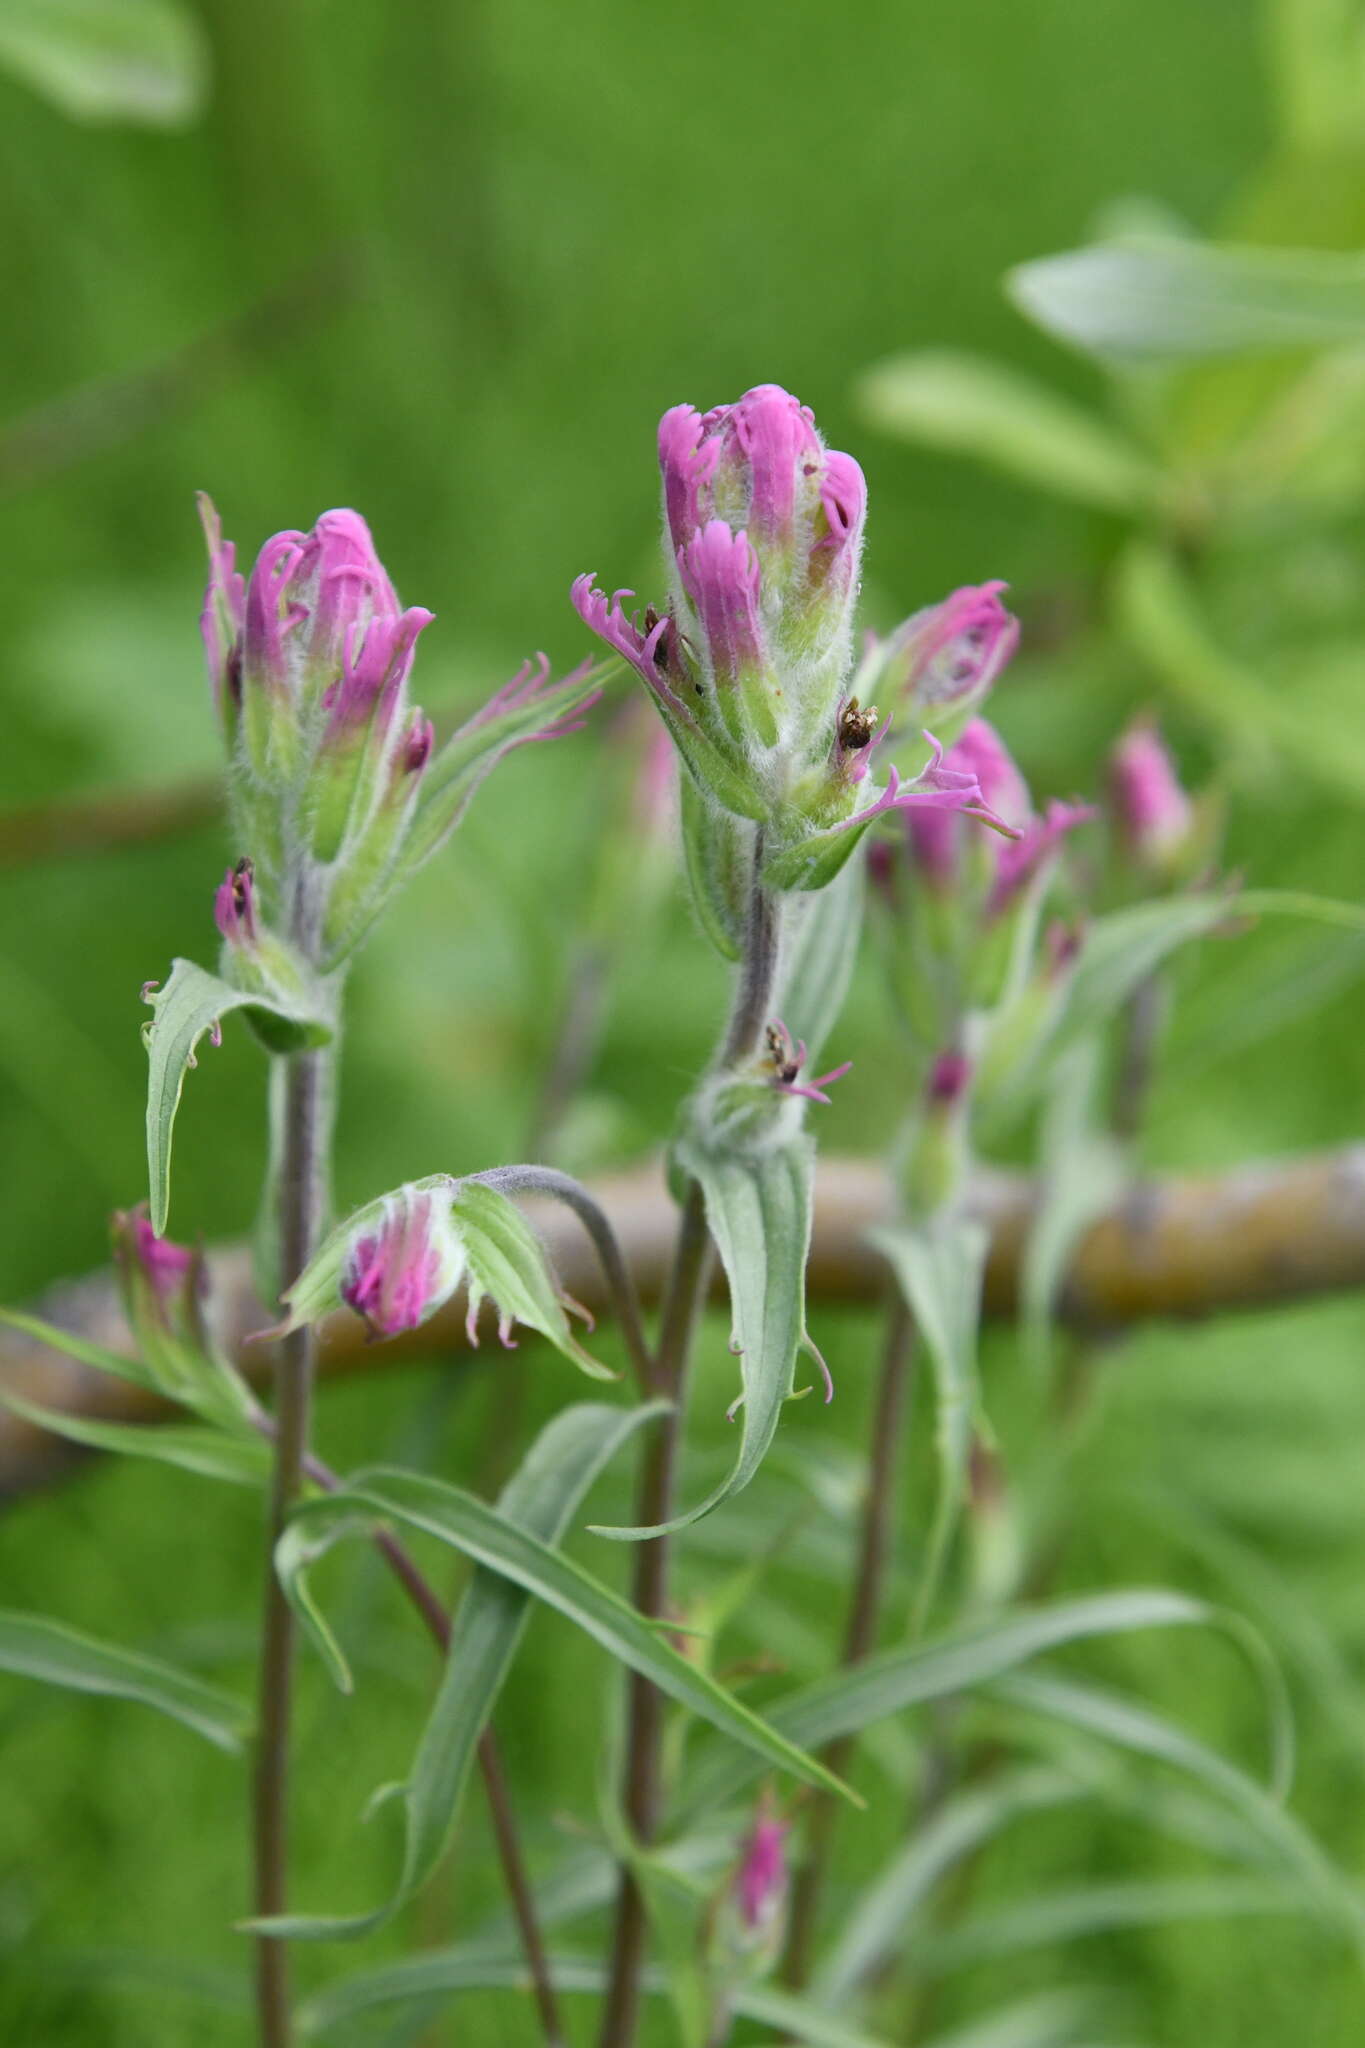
[(302, 1179), (894, 1384), (682, 1310)]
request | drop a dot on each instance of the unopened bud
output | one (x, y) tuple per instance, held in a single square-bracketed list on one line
[(942, 662), (1152, 814), (402, 1264)]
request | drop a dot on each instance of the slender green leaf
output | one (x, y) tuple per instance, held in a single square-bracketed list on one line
[(456, 770), (469, 1967), (820, 950), (133, 1370), (193, 1002), (968, 405), (470, 1525), (31, 1646), (211, 1453), (1133, 1726), (541, 1497), (958, 1662), (1060, 1917), (939, 1267), (759, 1213), (140, 61), (876, 1923), (1050, 2019), (1171, 299), (1082, 1170)]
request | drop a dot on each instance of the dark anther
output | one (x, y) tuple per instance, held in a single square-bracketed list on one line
[(856, 726)]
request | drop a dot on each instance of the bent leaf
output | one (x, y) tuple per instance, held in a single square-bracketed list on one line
[(193, 1002), (482, 1533), (31, 1646), (541, 1496), (508, 1263), (759, 1213)]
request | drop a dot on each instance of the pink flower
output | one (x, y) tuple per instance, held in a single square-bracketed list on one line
[(396, 1274), (234, 906), (761, 1880), (950, 654), (1153, 814)]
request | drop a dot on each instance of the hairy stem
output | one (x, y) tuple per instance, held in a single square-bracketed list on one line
[(300, 1200), (894, 1385), (682, 1310)]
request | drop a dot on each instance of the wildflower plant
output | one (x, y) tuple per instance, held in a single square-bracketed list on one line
[(807, 762)]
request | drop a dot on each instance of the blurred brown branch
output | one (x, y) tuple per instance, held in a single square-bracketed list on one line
[(1177, 1246)]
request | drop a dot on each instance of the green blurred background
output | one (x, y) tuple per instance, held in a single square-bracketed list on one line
[(448, 264)]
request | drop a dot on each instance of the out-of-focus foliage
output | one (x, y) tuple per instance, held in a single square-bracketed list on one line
[(448, 264)]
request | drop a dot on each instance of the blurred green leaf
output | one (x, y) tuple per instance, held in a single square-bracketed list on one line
[(1317, 70), (468, 1967), (968, 405), (1048, 2019), (1161, 301), (140, 61), (1057, 1918), (875, 1925), (31, 1646), (759, 1213), (211, 1453), (547, 1488), (820, 952), (939, 1266), (470, 1525), (82, 1350)]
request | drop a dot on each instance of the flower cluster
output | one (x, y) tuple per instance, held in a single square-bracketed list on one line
[(337, 787), (748, 663)]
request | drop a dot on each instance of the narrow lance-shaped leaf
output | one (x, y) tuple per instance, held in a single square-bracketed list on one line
[(209, 1453), (938, 1266), (427, 1981), (470, 1525), (193, 1002), (32, 1646), (759, 1213), (542, 1496), (957, 1662)]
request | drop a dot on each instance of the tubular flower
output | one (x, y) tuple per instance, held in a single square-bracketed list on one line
[(939, 844), (761, 1880), (316, 622), (944, 660), (404, 1263), (1153, 816), (163, 1284)]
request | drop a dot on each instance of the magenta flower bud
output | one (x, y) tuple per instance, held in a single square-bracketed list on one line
[(400, 1269), (163, 1285), (761, 1879), (942, 661), (1153, 815), (949, 1079), (234, 906), (318, 619)]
